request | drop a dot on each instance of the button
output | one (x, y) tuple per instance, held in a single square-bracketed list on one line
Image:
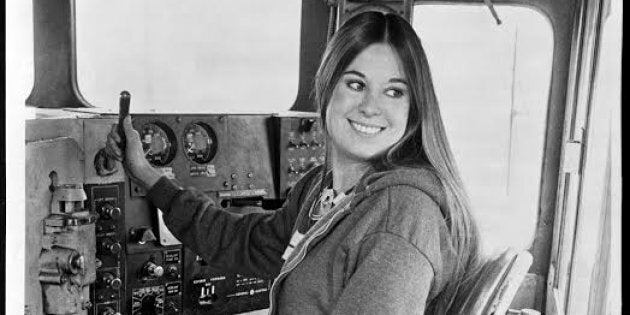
[(250, 174), (234, 176), (251, 186), (234, 187)]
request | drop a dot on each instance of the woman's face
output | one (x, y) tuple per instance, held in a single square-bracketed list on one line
[(369, 106)]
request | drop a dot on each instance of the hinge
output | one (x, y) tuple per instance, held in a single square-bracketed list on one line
[(572, 157)]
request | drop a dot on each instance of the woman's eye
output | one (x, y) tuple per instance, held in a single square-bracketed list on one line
[(355, 85), (394, 93)]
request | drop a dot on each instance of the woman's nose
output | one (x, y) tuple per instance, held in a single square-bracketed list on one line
[(369, 105)]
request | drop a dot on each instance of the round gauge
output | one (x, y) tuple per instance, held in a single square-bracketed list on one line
[(200, 143), (158, 143)]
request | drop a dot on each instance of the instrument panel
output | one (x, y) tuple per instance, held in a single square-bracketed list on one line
[(244, 162)]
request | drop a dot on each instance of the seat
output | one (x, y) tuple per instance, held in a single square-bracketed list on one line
[(494, 286)]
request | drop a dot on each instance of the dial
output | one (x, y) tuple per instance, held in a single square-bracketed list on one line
[(158, 143), (148, 301), (200, 143)]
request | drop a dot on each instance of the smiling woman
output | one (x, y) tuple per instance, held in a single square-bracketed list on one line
[(387, 210)]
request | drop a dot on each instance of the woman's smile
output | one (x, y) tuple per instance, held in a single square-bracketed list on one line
[(365, 128)]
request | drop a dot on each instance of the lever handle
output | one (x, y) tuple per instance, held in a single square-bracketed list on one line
[(123, 111)]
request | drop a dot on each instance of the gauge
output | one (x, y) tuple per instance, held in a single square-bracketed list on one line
[(200, 143), (158, 143), (147, 300)]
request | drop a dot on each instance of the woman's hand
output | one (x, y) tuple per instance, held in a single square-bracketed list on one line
[(136, 165)]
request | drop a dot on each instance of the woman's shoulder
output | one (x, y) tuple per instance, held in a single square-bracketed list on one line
[(410, 183)]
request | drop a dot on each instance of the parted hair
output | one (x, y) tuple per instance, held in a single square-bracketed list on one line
[(424, 143)]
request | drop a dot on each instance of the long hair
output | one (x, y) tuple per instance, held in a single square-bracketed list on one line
[(424, 143)]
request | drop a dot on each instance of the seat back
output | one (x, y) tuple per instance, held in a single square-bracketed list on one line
[(492, 289)]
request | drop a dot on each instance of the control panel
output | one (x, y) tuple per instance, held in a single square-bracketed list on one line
[(244, 162), (302, 146), (108, 202)]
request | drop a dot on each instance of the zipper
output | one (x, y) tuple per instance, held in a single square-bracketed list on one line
[(296, 256)]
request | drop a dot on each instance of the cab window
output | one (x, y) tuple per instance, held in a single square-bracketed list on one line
[(492, 82), (196, 56)]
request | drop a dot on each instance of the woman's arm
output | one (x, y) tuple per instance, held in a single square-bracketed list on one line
[(250, 244), (393, 277)]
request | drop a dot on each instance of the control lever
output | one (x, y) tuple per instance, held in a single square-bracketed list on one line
[(123, 111), (103, 164)]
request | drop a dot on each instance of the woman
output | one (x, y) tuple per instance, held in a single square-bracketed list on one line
[(383, 227)]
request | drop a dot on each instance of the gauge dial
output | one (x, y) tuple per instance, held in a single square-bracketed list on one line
[(148, 300), (158, 143), (200, 143)]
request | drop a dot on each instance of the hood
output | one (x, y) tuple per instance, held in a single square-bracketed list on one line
[(422, 178)]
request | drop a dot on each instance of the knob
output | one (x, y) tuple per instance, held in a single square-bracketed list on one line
[(78, 262), (108, 211), (112, 281), (172, 272), (152, 270), (112, 247)]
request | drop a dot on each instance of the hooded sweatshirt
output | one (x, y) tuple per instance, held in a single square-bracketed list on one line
[(385, 249)]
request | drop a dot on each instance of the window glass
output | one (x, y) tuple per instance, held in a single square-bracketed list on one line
[(492, 82), (192, 56)]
